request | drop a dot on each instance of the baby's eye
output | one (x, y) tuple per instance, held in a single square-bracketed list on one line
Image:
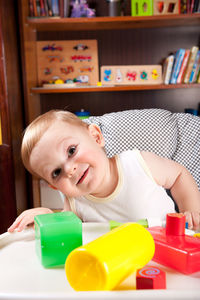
[(71, 150), (56, 173)]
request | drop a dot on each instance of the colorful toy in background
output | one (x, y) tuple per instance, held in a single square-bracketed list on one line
[(56, 235), (80, 9), (141, 8), (67, 62), (150, 278), (174, 248), (129, 75), (166, 7), (154, 7), (82, 114), (191, 111), (105, 262)]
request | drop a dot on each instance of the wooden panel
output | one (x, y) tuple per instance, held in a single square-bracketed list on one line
[(133, 46), (7, 189), (29, 63), (12, 172)]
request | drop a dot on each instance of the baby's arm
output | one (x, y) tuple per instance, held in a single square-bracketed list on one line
[(175, 177), (27, 217)]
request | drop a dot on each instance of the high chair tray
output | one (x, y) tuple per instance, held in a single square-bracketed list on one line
[(22, 277)]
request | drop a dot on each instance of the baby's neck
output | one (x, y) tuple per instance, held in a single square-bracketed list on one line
[(111, 179)]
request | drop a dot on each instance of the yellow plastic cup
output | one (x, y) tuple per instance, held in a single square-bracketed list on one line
[(105, 262)]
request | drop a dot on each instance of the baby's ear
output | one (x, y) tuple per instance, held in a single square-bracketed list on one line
[(97, 135)]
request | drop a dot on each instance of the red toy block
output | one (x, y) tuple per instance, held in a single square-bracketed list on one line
[(175, 224), (178, 251), (150, 278)]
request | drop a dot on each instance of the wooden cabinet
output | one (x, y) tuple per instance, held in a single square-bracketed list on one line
[(121, 41), (12, 173)]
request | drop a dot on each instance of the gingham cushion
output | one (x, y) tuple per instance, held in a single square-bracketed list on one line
[(171, 135), (188, 144)]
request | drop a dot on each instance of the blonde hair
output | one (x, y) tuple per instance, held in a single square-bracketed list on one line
[(39, 126)]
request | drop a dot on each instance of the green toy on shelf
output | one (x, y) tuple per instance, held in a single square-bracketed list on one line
[(141, 8)]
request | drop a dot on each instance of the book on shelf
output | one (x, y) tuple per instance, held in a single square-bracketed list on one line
[(189, 6), (55, 7), (193, 74), (198, 77), (196, 6), (42, 9), (198, 9), (179, 55), (167, 68), (46, 8), (183, 6), (193, 54), (49, 5), (183, 66), (38, 8), (31, 8), (61, 8), (66, 8), (34, 7)]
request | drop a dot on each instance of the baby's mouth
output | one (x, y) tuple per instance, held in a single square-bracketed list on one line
[(83, 176)]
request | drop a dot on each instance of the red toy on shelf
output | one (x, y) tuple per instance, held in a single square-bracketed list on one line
[(150, 278), (175, 249)]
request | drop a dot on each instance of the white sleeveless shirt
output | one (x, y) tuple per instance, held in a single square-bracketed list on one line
[(137, 195)]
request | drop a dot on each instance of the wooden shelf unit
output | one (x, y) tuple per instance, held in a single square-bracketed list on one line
[(107, 23), (41, 90), (121, 40)]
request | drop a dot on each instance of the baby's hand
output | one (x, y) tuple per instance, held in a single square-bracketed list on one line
[(193, 219), (27, 218)]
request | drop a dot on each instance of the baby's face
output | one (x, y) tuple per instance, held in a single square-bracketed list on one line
[(71, 159)]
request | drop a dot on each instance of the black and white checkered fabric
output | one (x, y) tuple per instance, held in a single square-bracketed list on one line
[(188, 144), (171, 135)]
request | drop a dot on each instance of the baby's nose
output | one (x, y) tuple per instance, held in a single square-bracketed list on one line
[(70, 169)]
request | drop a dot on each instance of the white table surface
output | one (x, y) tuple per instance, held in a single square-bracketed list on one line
[(23, 277)]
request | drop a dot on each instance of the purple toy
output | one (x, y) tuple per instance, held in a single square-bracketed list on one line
[(80, 9)]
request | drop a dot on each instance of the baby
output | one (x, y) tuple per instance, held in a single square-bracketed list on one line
[(69, 154)]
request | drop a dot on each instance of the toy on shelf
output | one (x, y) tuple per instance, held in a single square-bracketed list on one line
[(150, 278), (67, 62), (80, 9), (166, 7), (115, 7), (131, 75), (174, 248), (105, 262), (56, 235), (141, 8), (82, 114)]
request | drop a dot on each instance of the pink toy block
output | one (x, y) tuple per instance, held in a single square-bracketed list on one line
[(150, 278)]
